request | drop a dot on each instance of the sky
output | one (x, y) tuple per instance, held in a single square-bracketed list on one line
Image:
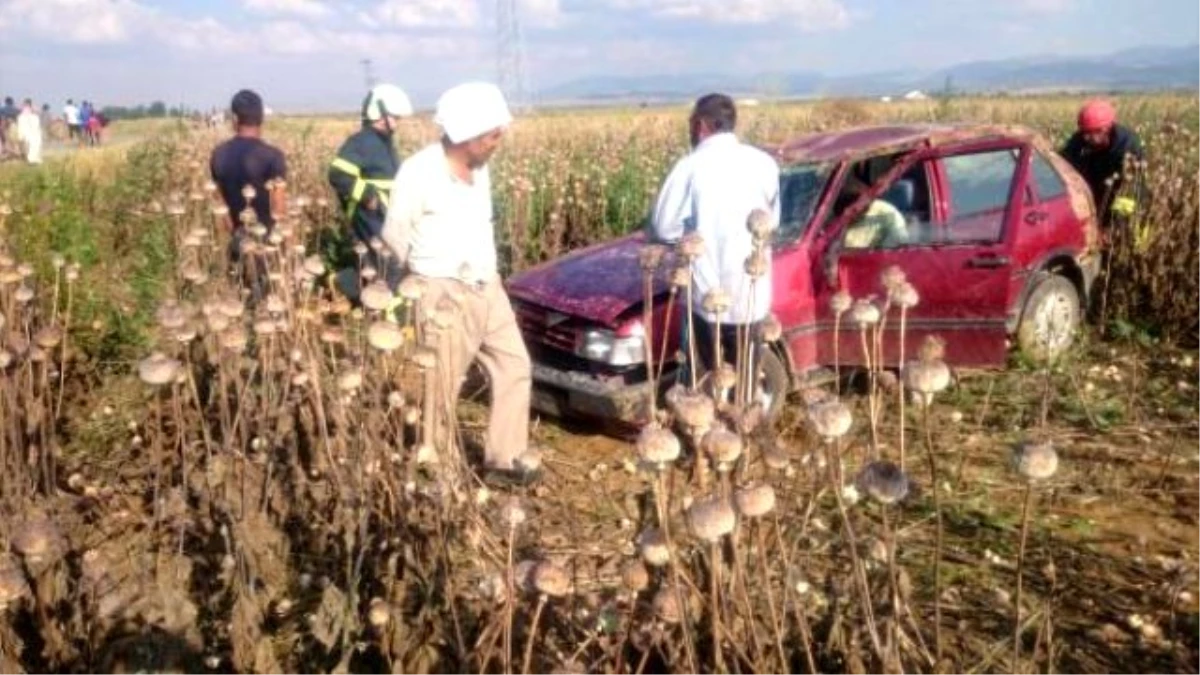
[(306, 55)]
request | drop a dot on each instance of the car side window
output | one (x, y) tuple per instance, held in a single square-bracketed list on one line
[(900, 216), (1049, 184), (979, 185)]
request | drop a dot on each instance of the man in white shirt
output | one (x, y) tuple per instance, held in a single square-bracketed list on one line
[(71, 117), (29, 131), (712, 192), (439, 225)]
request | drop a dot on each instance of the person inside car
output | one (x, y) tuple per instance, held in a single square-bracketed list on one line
[(882, 225)]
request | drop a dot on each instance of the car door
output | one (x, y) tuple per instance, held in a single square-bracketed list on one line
[(959, 260)]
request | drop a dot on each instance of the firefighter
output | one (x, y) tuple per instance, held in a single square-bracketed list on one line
[(1099, 151), (365, 166)]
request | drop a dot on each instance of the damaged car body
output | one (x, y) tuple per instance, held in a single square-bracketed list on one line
[(999, 239)]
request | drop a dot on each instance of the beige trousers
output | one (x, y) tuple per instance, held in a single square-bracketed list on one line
[(485, 328)]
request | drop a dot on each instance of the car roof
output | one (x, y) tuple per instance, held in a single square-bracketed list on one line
[(861, 141)]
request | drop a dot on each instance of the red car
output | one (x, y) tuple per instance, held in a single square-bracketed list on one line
[(1000, 241)]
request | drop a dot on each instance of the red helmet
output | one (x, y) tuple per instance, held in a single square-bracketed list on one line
[(1097, 115)]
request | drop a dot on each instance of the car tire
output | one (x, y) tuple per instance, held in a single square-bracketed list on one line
[(1050, 318), (776, 382)]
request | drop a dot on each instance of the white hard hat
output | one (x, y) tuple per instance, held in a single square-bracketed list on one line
[(470, 110), (387, 99)]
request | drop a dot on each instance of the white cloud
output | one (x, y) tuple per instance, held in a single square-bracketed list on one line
[(540, 13), (423, 13), (77, 21), (1043, 6), (306, 8), (811, 15)]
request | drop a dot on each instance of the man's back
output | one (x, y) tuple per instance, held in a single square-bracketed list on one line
[(243, 161), (1097, 165)]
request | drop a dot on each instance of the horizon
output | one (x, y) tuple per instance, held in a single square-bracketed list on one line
[(305, 56)]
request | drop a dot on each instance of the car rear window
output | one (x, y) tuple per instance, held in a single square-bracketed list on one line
[(1049, 184)]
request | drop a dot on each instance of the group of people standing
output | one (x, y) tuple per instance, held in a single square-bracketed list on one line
[(434, 213), (24, 129)]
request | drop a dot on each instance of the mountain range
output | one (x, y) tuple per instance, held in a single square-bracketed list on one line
[(1141, 68)]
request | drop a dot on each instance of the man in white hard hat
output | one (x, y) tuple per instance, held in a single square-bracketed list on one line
[(362, 172), (440, 227)]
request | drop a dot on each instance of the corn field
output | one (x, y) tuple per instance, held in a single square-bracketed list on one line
[(201, 479)]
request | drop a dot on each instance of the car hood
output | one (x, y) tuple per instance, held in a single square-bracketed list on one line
[(599, 283)]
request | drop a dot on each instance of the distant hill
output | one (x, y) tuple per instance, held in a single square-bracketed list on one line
[(1142, 68)]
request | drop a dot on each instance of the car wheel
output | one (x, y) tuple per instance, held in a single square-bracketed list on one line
[(1050, 318), (775, 383)]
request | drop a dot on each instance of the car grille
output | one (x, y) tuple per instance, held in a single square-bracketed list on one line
[(546, 327)]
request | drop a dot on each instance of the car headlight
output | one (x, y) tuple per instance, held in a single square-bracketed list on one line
[(623, 347)]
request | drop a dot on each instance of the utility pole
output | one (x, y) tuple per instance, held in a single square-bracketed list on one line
[(510, 54), (368, 73)]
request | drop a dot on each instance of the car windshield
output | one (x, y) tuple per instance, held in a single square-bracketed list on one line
[(800, 188)]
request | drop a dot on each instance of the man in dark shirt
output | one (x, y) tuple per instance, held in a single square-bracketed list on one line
[(1098, 151), (363, 171), (248, 161)]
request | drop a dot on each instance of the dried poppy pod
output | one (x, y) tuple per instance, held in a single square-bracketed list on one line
[(18, 344), (776, 458), (425, 358), (695, 413), (248, 193), (716, 301), (758, 264), (234, 340), (275, 304), (634, 576), (385, 336), (379, 613), (512, 514), (771, 328), (864, 313), (13, 586), (314, 266), (191, 241), (724, 378), (653, 547), (926, 378), (216, 323), (905, 296), (185, 334), (933, 348), (48, 337), (6, 359), (171, 316), (231, 308), (332, 335), (158, 369), (396, 400), (350, 380), (411, 288), (265, 327), (883, 481), (23, 294), (830, 419), (426, 455), (220, 211), (1035, 461), (755, 501), (194, 275), (681, 277), (650, 257), (551, 580), (691, 246), (841, 302), (666, 606), (892, 277), (723, 446), (657, 446), (376, 296), (25, 270), (758, 223), (711, 519), (9, 276), (37, 541)]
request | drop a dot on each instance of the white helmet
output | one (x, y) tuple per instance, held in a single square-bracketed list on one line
[(386, 99)]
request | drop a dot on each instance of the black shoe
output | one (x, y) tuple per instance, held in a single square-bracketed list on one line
[(507, 478)]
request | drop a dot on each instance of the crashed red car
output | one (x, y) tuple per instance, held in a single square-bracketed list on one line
[(1001, 243)]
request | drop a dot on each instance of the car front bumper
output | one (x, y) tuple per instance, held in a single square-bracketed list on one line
[(564, 393)]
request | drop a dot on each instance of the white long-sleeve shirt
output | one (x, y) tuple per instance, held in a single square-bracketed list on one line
[(439, 225), (29, 127), (712, 191)]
